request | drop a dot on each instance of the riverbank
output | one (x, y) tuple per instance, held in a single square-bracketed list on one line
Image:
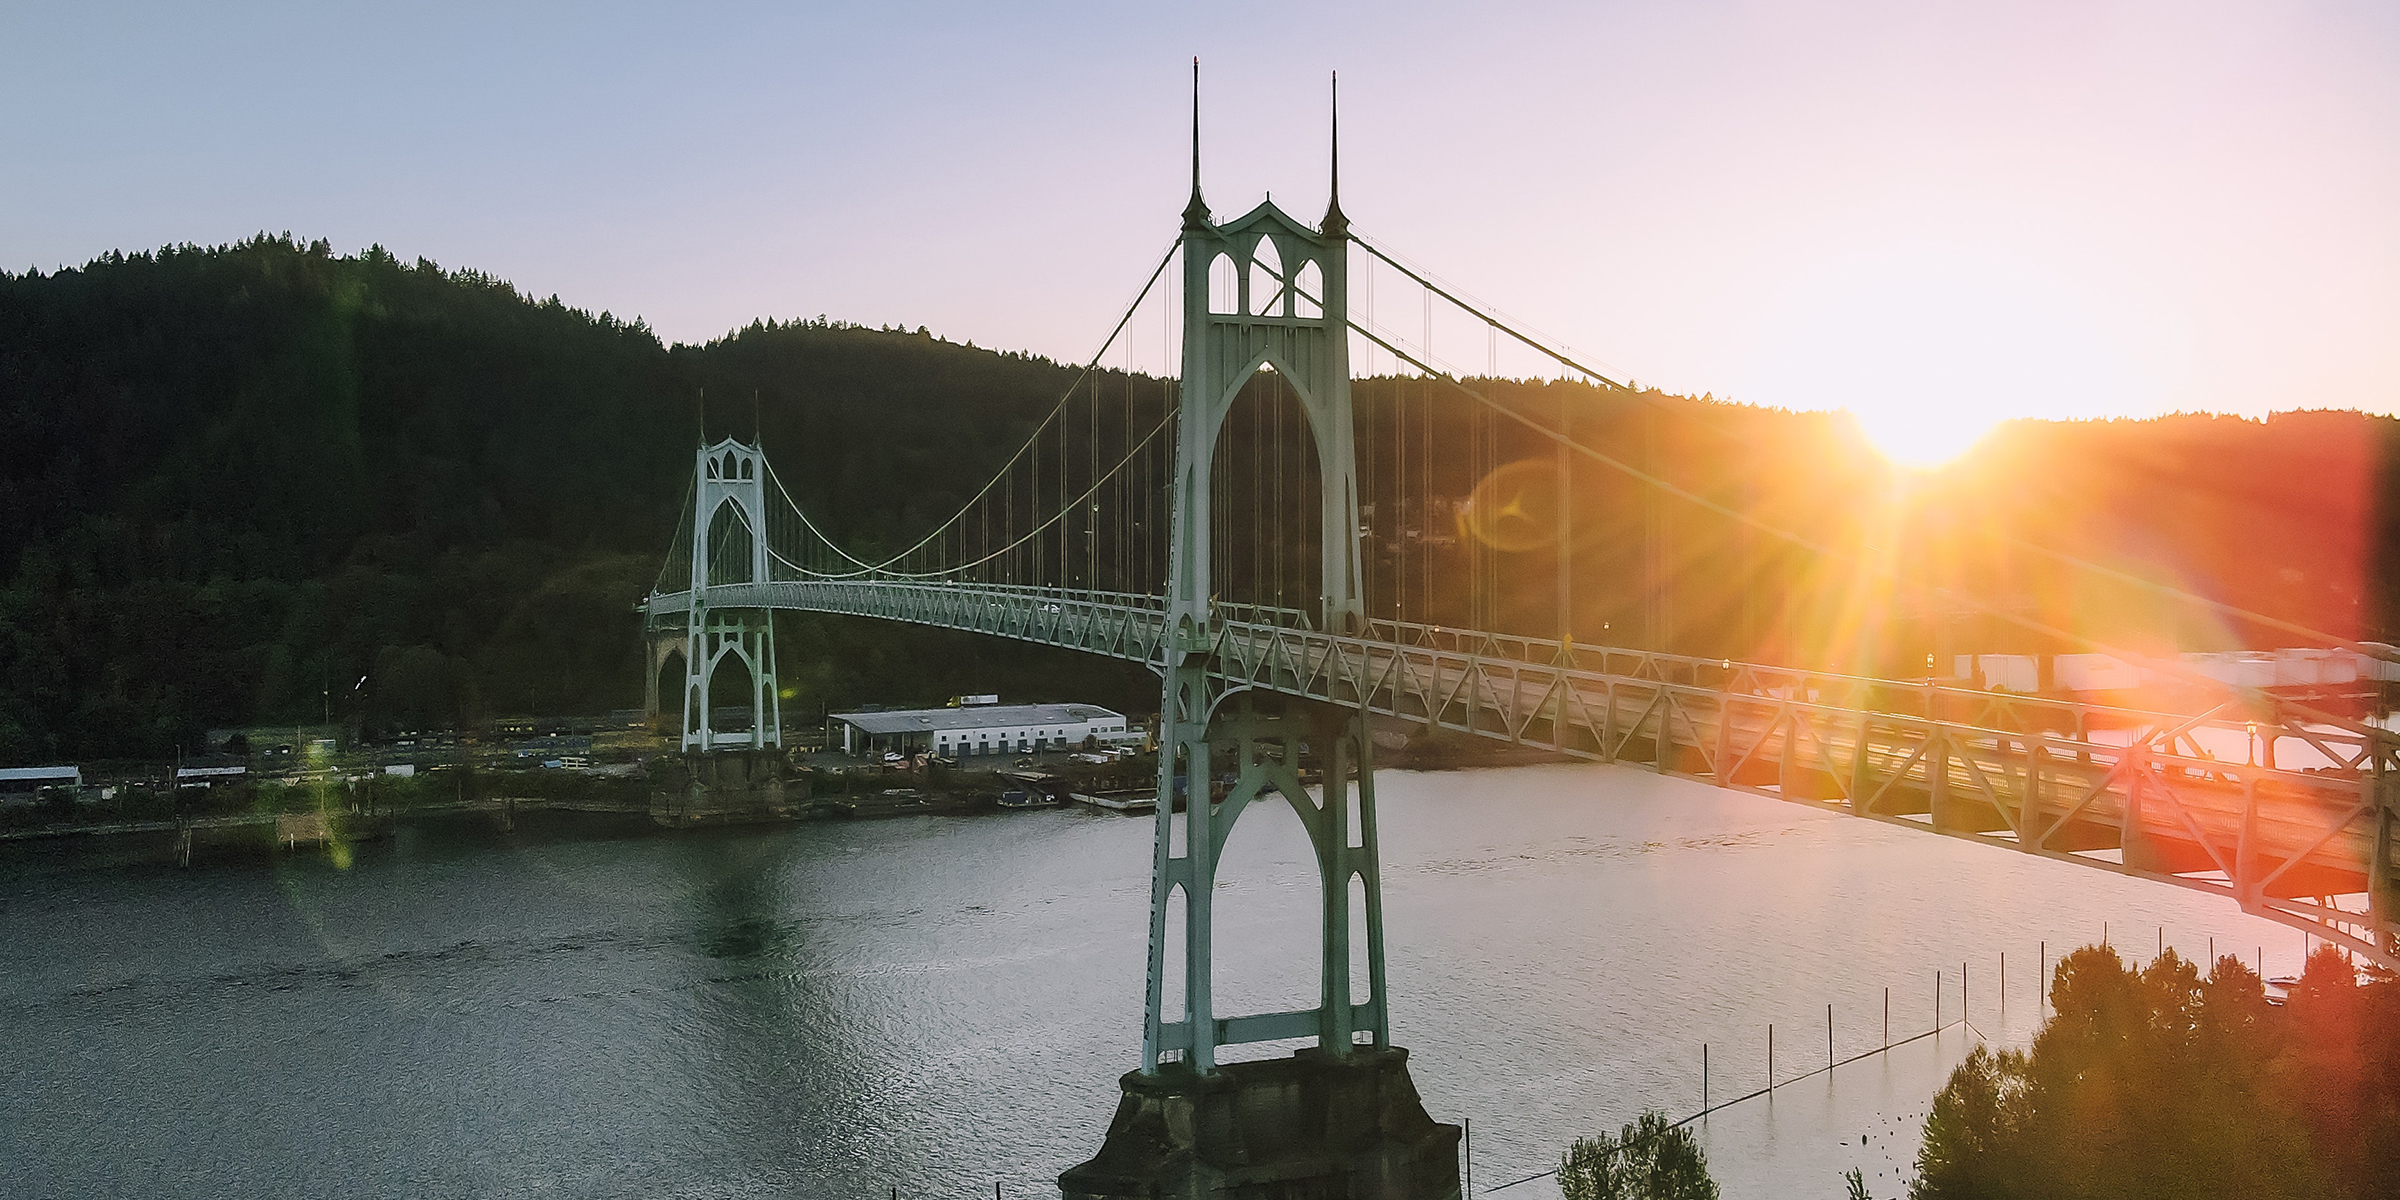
[(280, 816), (1446, 750)]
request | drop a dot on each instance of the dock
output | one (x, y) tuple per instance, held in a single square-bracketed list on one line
[(1124, 800)]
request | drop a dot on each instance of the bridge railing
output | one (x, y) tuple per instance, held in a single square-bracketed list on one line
[(2157, 790), (2144, 795), (1075, 616), (2264, 714)]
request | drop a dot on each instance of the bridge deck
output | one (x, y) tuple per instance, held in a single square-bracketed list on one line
[(2140, 793)]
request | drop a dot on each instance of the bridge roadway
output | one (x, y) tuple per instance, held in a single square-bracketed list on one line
[(2140, 793)]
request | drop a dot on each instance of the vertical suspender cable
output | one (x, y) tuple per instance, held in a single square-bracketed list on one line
[(1116, 493), (1363, 411), (1283, 516), (1472, 616), (1366, 412), (1037, 554), (1091, 476), (1066, 575), (1038, 567), (1124, 476), (1425, 497), (1566, 525), (1046, 574), (1162, 478), (1151, 479), (1263, 406), (1485, 452)]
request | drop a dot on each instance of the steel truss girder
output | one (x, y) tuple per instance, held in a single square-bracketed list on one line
[(2043, 774)]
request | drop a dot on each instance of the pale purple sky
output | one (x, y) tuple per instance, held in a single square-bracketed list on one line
[(1970, 209)]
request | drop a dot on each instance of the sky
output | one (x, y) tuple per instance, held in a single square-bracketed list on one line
[(1934, 214)]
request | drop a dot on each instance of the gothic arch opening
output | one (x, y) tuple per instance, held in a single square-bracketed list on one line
[(729, 544), (1223, 287), (1362, 978), (1171, 990), (1265, 508), (1266, 280), (670, 675), (729, 708), (1267, 932), (1308, 291)]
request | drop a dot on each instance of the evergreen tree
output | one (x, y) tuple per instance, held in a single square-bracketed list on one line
[(1648, 1160), (2159, 1083)]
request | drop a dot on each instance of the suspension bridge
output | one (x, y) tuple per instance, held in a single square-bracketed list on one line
[(1301, 550)]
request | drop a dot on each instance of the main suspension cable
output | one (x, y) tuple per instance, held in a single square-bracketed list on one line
[(1659, 401), (1029, 446), (2163, 666)]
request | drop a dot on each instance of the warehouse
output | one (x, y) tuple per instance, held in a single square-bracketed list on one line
[(977, 729)]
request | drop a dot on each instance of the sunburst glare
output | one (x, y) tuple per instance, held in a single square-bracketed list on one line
[(1930, 346)]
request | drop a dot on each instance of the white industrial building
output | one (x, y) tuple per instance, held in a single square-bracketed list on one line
[(977, 729), (32, 780), (2296, 669)]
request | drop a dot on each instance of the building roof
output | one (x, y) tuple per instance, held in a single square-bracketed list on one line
[(37, 774), (980, 716)]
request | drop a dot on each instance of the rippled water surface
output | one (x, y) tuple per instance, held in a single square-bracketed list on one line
[(936, 1004)]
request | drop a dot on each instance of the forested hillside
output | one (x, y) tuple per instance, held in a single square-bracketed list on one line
[(233, 481)]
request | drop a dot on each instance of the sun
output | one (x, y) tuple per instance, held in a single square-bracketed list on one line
[(1926, 438), (1929, 347)]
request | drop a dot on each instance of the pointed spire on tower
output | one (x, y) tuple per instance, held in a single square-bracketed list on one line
[(1195, 214), (1335, 224)]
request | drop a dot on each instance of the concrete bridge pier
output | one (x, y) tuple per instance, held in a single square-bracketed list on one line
[(1313, 1125), (728, 787)]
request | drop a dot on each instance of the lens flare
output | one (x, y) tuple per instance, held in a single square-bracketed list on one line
[(1928, 344), (1514, 509)]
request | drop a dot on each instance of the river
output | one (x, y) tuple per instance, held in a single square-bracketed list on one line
[(939, 1004)]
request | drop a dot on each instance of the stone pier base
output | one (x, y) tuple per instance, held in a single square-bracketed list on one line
[(729, 787), (1309, 1127)]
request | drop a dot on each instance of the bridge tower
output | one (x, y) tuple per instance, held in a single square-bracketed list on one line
[(1343, 1114), (729, 547), (727, 775)]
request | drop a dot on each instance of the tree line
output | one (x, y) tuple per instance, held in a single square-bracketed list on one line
[(267, 483), (2164, 1082)]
